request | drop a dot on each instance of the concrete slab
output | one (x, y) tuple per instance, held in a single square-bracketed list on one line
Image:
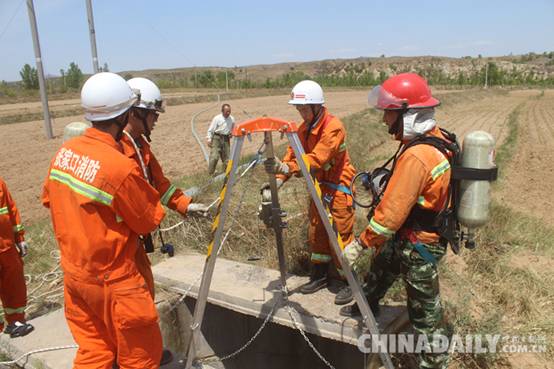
[(252, 290), (50, 331)]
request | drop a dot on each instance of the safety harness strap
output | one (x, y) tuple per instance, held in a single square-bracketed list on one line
[(425, 254), (337, 187)]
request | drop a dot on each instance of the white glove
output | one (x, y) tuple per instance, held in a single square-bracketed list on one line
[(197, 209), (352, 252), (266, 190), (22, 247), (278, 167)]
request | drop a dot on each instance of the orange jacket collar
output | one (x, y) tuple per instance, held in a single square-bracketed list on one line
[(435, 132), (104, 137)]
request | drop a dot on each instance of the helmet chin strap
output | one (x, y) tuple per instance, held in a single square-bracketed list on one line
[(142, 115), (121, 122), (316, 115), (397, 127)]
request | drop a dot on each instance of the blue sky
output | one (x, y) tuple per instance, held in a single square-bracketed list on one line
[(143, 34)]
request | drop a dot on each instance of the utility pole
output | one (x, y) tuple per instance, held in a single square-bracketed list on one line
[(40, 71), (487, 75), (92, 37)]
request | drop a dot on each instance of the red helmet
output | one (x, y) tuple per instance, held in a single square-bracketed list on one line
[(403, 91)]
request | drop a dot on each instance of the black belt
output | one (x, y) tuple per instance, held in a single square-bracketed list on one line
[(222, 135)]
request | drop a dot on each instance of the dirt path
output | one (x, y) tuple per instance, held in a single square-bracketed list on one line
[(26, 153)]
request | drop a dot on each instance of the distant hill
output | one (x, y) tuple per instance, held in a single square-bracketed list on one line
[(505, 70), (530, 69)]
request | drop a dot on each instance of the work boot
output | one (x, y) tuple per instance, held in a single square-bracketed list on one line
[(167, 357), (318, 279), (353, 310), (344, 296), (18, 329)]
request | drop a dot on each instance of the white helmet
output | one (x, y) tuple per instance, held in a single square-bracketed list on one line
[(306, 92), (150, 95), (105, 96)]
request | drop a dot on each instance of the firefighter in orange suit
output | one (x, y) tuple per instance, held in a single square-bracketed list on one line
[(135, 142), (323, 138), (100, 204), (403, 234), (13, 291)]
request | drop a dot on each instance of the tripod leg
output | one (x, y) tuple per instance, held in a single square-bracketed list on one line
[(213, 248)]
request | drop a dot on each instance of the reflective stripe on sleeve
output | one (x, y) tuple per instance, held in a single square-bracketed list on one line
[(18, 228), (80, 187), (379, 229), (167, 195), (421, 200), (342, 147), (19, 310), (440, 169), (4, 210), (322, 258)]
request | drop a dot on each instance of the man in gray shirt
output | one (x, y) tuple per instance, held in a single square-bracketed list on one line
[(218, 138)]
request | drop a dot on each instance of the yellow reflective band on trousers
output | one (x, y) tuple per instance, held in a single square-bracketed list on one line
[(81, 187), (322, 258), (167, 195), (379, 229), (440, 169), (4, 210), (19, 310)]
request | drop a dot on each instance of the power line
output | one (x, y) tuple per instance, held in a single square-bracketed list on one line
[(11, 19)]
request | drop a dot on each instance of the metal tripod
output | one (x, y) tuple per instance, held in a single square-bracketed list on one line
[(242, 130)]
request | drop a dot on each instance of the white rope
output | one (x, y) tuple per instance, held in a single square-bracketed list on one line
[(195, 134), (56, 348)]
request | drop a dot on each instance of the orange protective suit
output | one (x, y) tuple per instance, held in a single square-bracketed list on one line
[(13, 291), (325, 146), (420, 178), (99, 204), (170, 195)]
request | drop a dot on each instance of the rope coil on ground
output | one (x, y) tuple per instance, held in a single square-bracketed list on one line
[(37, 351)]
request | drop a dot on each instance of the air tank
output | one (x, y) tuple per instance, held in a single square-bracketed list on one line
[(74, 129), (477, 152)]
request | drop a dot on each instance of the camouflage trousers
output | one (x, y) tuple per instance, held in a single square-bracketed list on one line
[(219, 150), (400, 258)]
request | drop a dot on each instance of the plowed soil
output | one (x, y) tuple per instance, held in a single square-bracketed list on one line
[(530, 174)]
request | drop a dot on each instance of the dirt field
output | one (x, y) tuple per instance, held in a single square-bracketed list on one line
[(26, 153), (531, 172)]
